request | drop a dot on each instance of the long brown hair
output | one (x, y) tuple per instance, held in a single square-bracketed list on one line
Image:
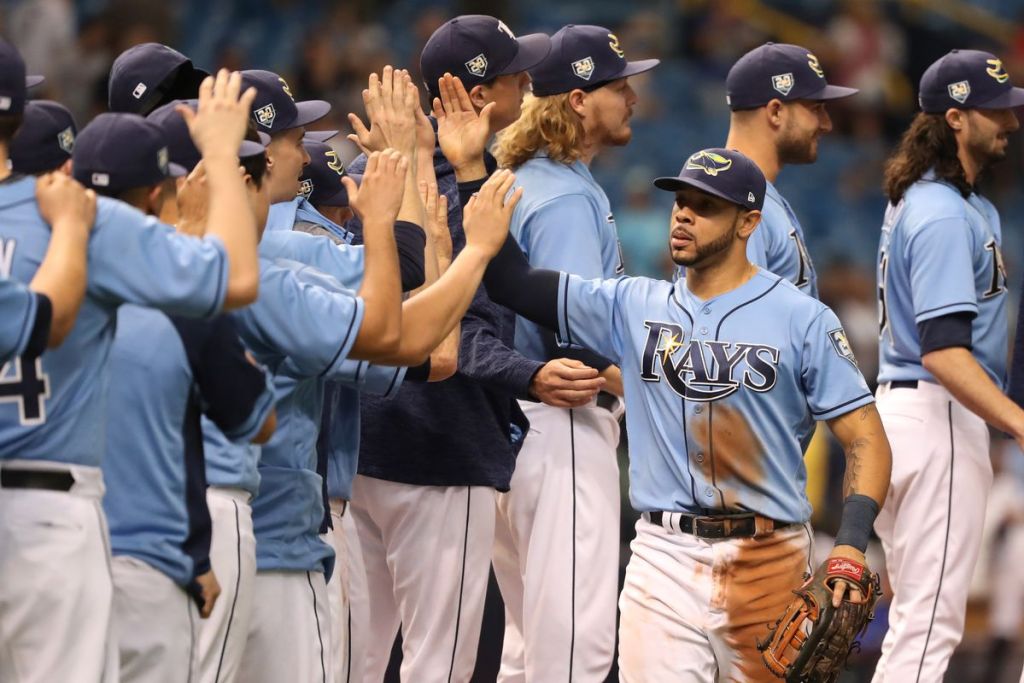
[(547, 123), (928, 143)]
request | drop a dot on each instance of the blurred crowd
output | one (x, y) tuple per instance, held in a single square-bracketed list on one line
[(325, 48)]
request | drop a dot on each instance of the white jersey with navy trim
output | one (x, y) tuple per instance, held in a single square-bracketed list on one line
[(54, 407), (722, 394), (777, 244), (939, 254)]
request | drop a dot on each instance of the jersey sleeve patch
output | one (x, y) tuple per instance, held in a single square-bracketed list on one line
[(842, 345)]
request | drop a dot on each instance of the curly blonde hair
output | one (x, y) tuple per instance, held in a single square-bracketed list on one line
[(547, 123)]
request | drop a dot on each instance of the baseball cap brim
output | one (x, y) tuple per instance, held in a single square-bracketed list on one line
[(176, 170), (638, 67), (310, 111), (533, 49), (1011, 99), (321, 136), (675, 183), (33, 81), (249, 148), (831, 92)]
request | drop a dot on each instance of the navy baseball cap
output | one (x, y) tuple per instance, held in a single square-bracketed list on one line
[(778, 71), (45, 138), (145, 76), (967, 79), (321, 179), (724, 173), (319, 135), (119, 151), (478, 48), (275, 109), (180, 148), (13, 81), (584, 57)]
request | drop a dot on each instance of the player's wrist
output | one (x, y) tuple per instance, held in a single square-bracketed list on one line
[(468, 170)]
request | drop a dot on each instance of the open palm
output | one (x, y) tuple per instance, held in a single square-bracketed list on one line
[(462, 133)]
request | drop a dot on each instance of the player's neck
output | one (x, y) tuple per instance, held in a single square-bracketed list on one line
[(716, 279), (971, 167), (5, 171), (759, 147)]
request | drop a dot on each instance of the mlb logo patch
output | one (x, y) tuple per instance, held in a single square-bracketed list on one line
[(5, 103), (783, 83), (842, 344), (306, 188), (959, 91), (477, 66), (100, 179), (66, 139), (584, 68), (265, 116), (139, 91)]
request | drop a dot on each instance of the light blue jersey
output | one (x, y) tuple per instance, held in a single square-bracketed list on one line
[(54, 408), (284, 216), (939, 254), (563, 222), (777, 244), (722, 394), (18, 308), (155, 397)]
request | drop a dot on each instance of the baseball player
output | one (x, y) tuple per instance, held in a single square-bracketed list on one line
[(164, 372), (320, 185), (44, 140), (436, 477), (562, 513), (149, 75), (52, 416), (725, 373), (777, 95), (942, 354)]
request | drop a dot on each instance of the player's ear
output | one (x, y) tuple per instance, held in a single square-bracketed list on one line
[(774, 111), (955, 119), (749, 220), (65, 168), (478, 96), (578, 102)]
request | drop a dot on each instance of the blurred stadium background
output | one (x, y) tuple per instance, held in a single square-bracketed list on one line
[(326, 49)]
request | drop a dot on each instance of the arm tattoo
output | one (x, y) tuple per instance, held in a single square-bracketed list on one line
[(854, 465)]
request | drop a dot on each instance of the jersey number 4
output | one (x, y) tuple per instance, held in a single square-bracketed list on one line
[(24, 382)]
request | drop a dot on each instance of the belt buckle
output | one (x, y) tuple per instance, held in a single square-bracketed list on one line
[(708, 527)]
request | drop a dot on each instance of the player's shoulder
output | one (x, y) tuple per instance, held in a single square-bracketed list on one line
[(928, 201), (787, 297), (113, 212)]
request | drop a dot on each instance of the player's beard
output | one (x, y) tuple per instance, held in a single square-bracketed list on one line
[(986, 151), (713, 248), (797, 147)]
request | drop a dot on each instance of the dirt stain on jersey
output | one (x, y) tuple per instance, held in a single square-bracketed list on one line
[(759, 580), (730, 449)]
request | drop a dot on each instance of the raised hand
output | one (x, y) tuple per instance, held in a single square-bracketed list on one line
[(379, 197), (222, 117), (461, 132), (488, 213), (437, 220), (64, 203), (391, 106)]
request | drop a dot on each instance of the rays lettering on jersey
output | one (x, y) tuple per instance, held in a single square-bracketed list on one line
[(703, 370)]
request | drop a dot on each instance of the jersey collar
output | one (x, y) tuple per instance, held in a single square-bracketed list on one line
[(755, 287)]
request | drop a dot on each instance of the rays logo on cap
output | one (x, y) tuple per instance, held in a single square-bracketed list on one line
[(996, 71), (161, 159), (265, 115), (306, 188), (959, 91), (812, 62), (66, 139), (842, 344), (783, 83), (287, 90), (584, 68), (333, 162), (478, 65), (139, 91), (712, 164), (613, 43), (503, 27)]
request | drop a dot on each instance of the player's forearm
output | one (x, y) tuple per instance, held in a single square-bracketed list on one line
[(381, 329), (868, 455), (232, 220), (444, 360), (613, 380), (412, 204), (958, 371), (62, 277)]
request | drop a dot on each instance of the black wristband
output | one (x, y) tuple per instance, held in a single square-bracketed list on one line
[(859, 514)]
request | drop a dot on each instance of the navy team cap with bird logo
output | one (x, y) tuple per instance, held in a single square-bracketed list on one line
[(967, 79), (584, 57), (724, 173), (45, 139), (275, 109), (778, 71), (321, 178)]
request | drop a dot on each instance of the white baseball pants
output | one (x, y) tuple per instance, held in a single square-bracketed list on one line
[(692, 610), (350, 612), (427, 551), (56, 593), (156, 623), (222, 637), (556, 548), (930, 526)]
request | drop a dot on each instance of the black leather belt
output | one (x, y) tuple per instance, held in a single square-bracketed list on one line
[(720, 526), (49, 480), (903, 384), (606, 400)]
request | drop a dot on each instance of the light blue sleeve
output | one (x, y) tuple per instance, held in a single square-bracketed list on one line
[(564, 234), (938, 258), (832, 382), (344, 262), (313, 327), (379, 380), (134, 258), (590, 314), (18, 306)]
